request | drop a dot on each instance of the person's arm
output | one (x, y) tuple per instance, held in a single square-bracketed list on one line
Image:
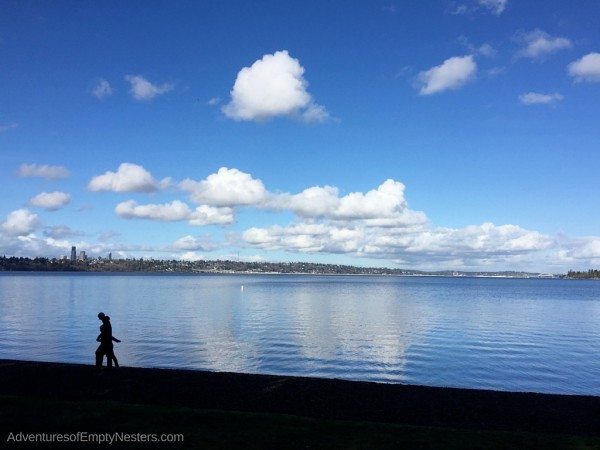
[(115, 339), (99, 338)]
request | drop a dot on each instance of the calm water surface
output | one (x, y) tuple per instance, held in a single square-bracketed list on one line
[(518, 335)]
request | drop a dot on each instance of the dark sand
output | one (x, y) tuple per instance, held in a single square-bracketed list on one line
[(307, 397)]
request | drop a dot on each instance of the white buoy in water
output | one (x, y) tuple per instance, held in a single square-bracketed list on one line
[(242, 288)]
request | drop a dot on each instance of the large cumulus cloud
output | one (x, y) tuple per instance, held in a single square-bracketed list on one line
[(273, 86)]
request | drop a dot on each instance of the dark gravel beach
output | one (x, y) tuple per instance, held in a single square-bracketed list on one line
[(307, 397)]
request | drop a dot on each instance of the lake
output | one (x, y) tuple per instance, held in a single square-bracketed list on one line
[(540, 335)]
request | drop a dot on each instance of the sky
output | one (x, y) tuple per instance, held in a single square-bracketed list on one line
[(460, 135)]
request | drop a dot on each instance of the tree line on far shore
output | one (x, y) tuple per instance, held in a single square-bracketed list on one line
[(592, 274), (99, 264), (41, 264)]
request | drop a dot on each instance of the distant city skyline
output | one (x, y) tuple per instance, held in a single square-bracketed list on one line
[(442, 135)]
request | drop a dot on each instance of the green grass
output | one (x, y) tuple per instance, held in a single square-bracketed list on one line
[(230, 430)]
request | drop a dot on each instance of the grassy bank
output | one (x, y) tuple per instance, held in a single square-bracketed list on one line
[(227, 410), (226, 429)]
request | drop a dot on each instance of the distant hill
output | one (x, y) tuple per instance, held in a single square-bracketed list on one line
[(228, 266)]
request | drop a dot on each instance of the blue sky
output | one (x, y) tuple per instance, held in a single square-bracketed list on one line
[(287, 118)]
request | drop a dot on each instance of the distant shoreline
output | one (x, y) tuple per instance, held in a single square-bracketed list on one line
[(17, 264), (190, 273)]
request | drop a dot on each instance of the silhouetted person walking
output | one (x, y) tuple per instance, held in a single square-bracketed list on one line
[(106, 343)]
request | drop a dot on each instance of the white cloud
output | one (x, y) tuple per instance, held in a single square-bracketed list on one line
[(384, 202), (143, 90), (231, 188), (483, 240), (191, 256), (128, 178), (406, 219), (495, 71), (175, 211), (586, 248), (379, 224), (486, 50), (315, 201), (587, 68), (306, 238), (210, 215), (538, 43), (8, 126), (460, 9), (60, 232), (424, 244), (315, 114), (383, 206), (453, 73), (497, 7), (20, 222), (32, 246), (303, 237), (192, 243), (172, 211), (50, 201), (43, 171), (533, 98), (214, 101), (273, 86), (102, 90), (263, 237), (227, 187)]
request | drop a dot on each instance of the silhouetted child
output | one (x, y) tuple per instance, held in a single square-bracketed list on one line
[(110, 354)]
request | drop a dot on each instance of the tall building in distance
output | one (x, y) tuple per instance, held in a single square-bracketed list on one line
[(73, 254)]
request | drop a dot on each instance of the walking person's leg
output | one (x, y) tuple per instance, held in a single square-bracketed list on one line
[(99, 356), (114, 358), (109, 356)]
